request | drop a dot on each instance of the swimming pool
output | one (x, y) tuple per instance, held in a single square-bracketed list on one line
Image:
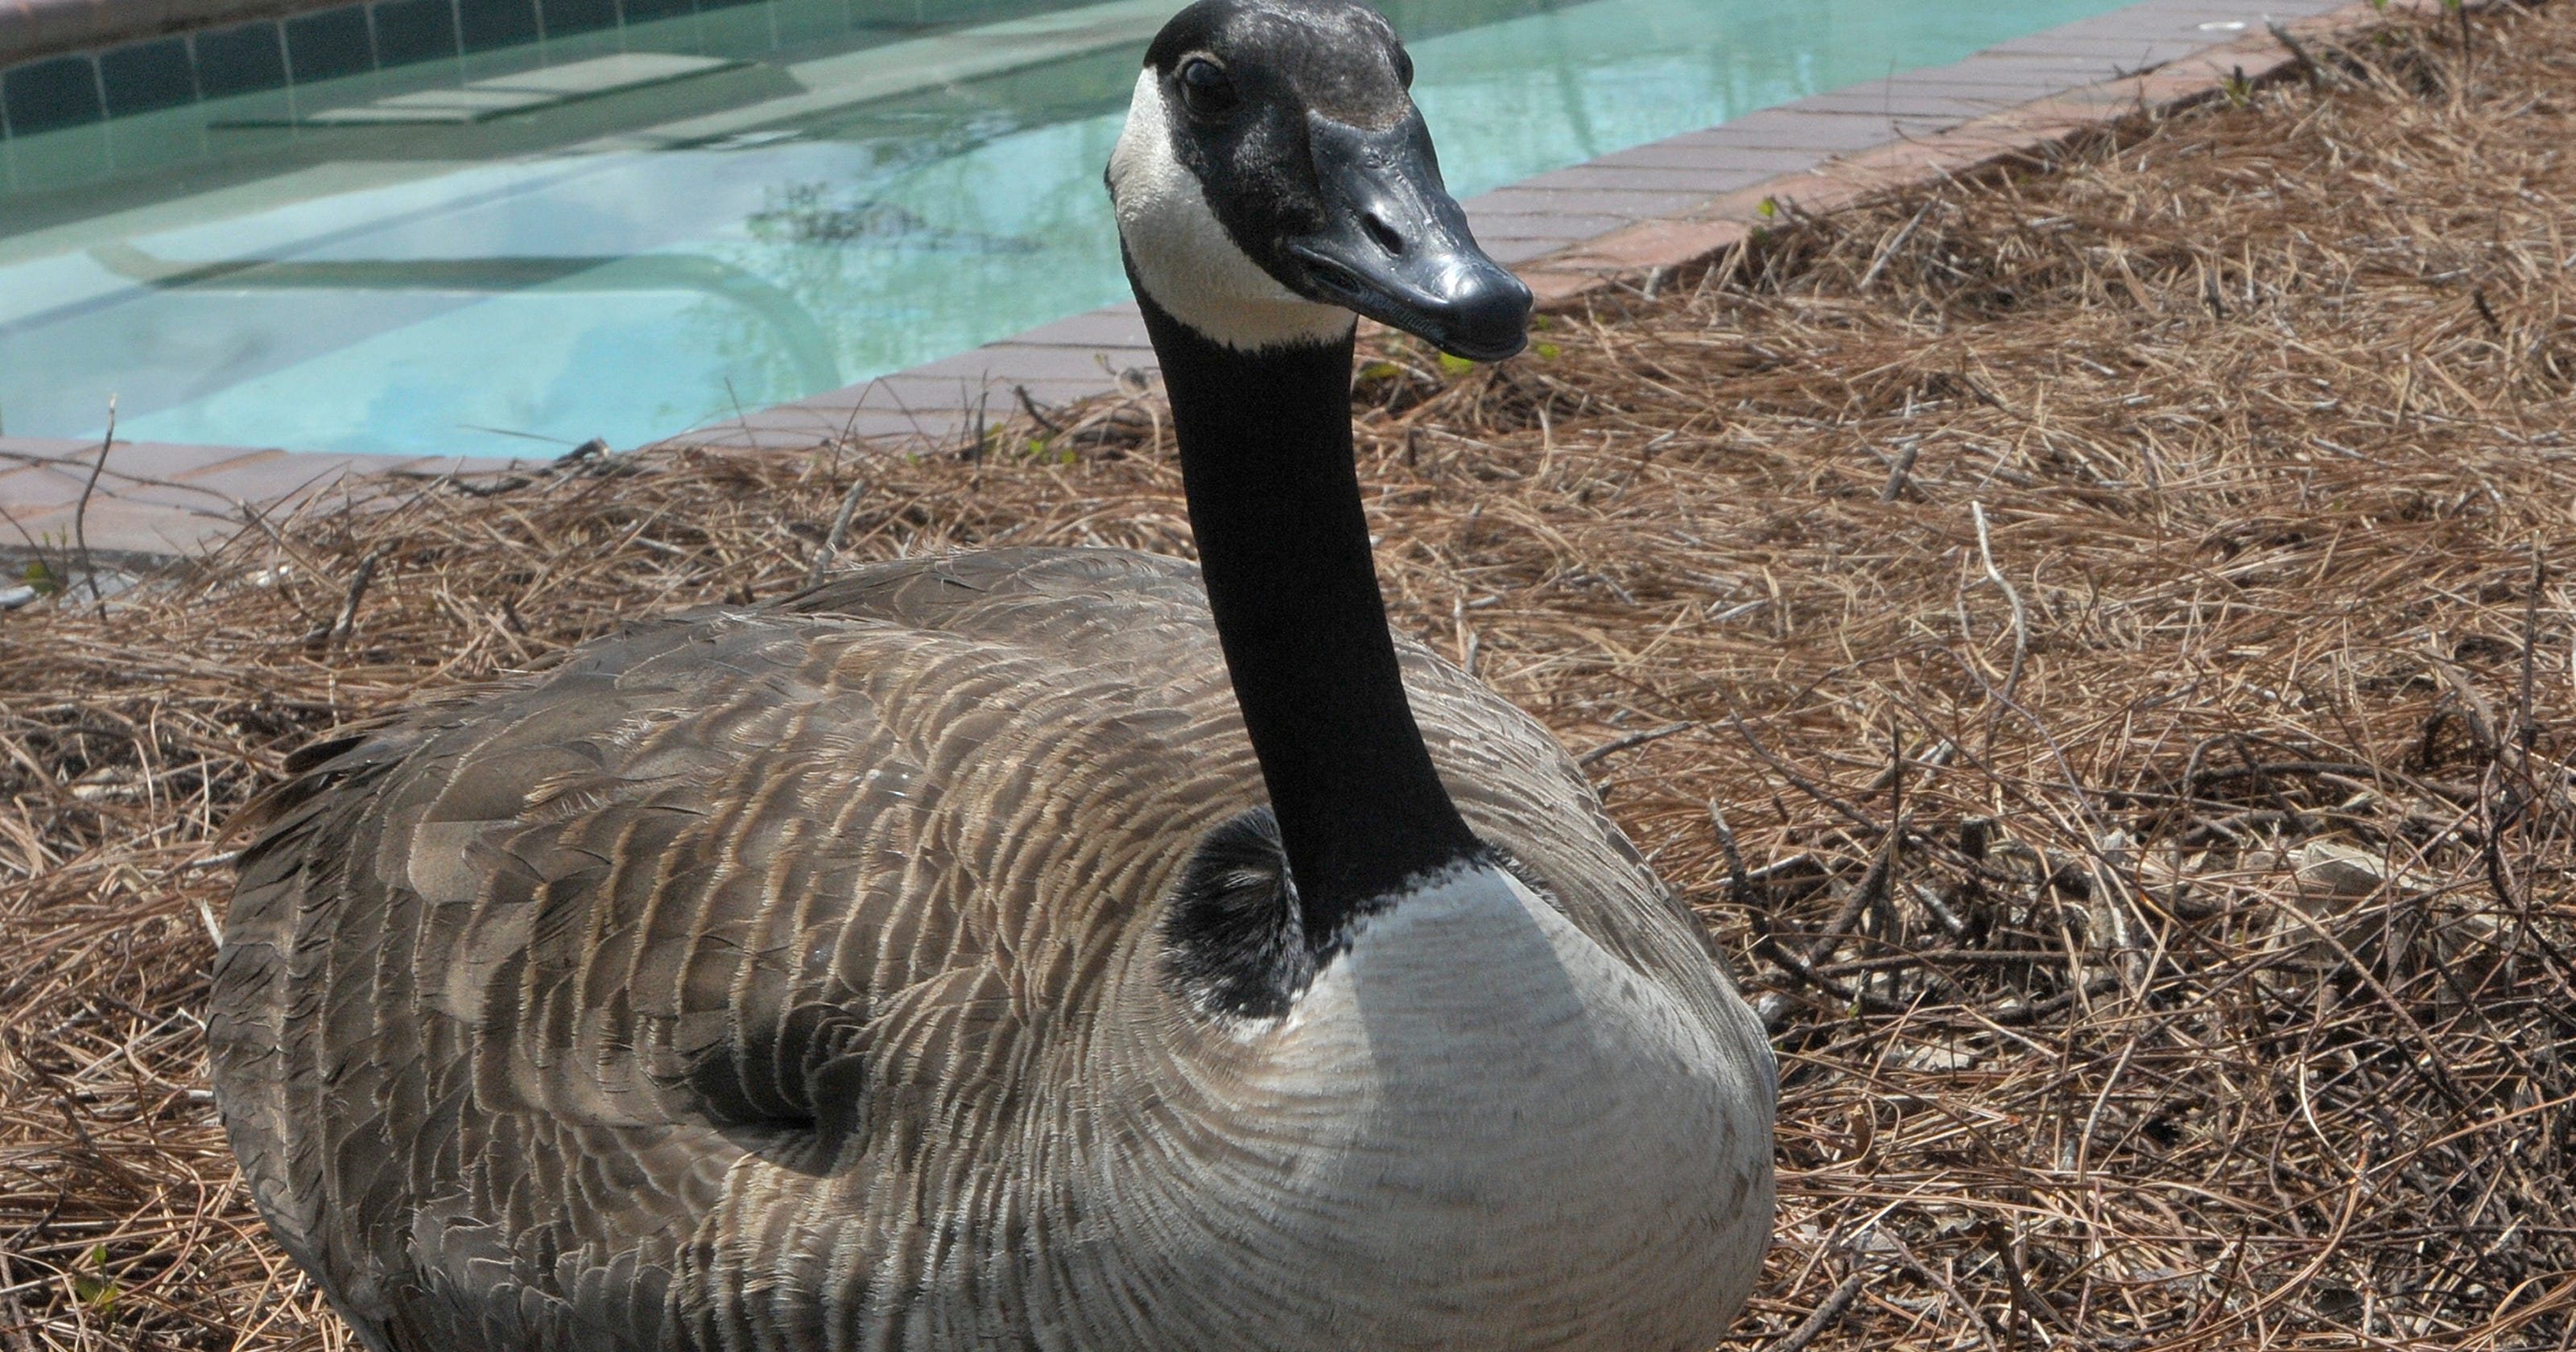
[(655, 222)]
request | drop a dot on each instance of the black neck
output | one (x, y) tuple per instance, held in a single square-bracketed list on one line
[(1266, 459)]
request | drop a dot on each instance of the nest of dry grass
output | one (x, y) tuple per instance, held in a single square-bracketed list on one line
[(2095, 644)]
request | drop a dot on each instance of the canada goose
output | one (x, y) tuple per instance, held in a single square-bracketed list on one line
[(951, 956)]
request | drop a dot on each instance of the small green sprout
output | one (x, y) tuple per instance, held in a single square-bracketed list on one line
[(97, 1290)]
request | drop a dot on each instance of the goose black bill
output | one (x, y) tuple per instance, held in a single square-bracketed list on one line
[(1396, 248)]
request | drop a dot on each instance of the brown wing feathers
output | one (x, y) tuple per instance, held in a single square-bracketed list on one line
[(571, 953), (652, 1001)]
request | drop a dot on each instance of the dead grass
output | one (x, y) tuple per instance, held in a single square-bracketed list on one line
[(2121, 613)]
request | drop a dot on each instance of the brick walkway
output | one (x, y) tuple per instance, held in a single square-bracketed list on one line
[(1569, 232), (158, 500)]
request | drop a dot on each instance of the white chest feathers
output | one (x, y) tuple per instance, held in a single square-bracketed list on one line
[(1479, 1129), (1184, 257)]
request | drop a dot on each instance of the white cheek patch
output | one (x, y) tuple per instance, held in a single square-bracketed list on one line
[(1183, 256)]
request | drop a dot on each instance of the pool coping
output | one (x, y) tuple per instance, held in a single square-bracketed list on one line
[(1574, 234)]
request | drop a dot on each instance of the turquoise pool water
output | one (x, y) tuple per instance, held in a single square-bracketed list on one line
[(531, 246)]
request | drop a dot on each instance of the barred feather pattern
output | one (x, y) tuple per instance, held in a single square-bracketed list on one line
[(788, 977)]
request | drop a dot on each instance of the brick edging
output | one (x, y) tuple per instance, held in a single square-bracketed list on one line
[(2029, 130), (170, 500)]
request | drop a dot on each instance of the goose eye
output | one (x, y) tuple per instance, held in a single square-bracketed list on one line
[(1205, 87), (1404, 67)]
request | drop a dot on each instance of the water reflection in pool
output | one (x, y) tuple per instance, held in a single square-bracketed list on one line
[(333, 267)]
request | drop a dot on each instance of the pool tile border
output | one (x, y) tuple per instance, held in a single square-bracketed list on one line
[(1573, 234), (67, 63)]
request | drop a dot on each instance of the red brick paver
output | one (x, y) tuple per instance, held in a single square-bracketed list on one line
[(163, 499)]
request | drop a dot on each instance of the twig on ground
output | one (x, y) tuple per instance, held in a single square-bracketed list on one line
[(1631, 741), (345, 623), (837, 537), (1826, 1312), (2020, 620), (80, 514)]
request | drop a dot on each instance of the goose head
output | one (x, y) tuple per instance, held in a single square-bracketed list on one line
[(1275, 178)]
